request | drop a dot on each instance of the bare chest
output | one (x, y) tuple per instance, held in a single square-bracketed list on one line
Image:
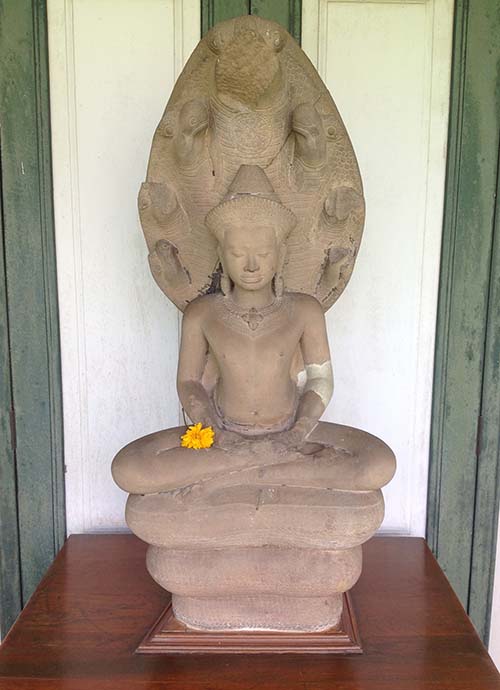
[(262, 340)]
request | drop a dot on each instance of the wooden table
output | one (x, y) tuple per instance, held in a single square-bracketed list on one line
[(80, 629)]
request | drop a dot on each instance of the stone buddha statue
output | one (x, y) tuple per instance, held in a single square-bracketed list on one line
[(262, 528)]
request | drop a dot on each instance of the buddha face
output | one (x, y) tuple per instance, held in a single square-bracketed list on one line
[(250, 254)]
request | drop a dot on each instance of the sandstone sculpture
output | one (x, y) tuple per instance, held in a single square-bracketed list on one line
[(253, 212)]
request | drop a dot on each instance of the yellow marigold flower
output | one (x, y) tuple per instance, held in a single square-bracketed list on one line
[(197, 437)]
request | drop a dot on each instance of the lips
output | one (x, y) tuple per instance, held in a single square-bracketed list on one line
[(251, 281)]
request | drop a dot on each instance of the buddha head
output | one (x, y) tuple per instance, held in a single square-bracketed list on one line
[(251, 226)]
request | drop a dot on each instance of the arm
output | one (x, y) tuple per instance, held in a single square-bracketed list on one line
[(318, 388), (192, 359), (316, 354)]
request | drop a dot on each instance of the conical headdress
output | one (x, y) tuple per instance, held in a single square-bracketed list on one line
[(251, 196)]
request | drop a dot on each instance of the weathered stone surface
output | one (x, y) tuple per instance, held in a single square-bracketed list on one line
[(262, 612), (253, 515), (249, 95), (245, 570)]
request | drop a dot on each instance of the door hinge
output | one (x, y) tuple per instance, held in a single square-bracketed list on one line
[(479, 435), (12, 419)]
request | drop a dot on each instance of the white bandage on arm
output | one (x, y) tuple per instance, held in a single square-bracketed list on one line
[(320, 380)]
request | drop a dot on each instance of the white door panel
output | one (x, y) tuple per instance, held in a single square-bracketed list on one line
[(112, 67), (387, 65)]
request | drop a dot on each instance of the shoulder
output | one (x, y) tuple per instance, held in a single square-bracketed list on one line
[(306, 305), (199, 308)]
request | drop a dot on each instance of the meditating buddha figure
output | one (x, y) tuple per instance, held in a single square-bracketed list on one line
[(273, 375), (253, 213), (270, 381)]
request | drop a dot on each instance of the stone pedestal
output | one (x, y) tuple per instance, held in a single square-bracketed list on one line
[(277, 565), (256, 588), (259, 612)]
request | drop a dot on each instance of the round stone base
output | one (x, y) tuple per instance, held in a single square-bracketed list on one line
[(246, 571), (256, 588), (261, 612)]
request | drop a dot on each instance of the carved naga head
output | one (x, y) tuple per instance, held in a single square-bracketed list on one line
[(247, 69)]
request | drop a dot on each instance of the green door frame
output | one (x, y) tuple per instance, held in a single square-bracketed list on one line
[(464, 459), (32, 515)]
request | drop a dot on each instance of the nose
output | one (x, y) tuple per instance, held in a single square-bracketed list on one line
[(252, 264)]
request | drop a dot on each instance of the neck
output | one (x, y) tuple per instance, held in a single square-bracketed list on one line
[(258, 299)]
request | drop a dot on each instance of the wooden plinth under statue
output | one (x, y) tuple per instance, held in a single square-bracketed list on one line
[(169, 636), (253, 212)]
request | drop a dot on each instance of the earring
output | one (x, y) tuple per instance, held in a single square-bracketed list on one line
[(279, 282), (225, 281), (279, 285), (225, 284)]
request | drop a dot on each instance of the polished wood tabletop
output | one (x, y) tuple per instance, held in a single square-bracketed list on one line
[(81, 627)]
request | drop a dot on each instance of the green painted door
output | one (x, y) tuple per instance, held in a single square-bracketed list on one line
[(463, 490), (10, 567), (285, 12), (31, 461)]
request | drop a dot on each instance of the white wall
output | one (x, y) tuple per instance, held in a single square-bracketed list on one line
[(112, 65), (494, 646), (387, 64)]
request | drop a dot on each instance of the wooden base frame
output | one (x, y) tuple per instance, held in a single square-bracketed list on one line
[(169, 636)]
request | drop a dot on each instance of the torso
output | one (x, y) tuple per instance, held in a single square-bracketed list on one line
[(254, 351)]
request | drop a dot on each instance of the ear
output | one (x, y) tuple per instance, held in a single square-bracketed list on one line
[(281, 258), (220, 257), (225, 281), (279, 283)]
